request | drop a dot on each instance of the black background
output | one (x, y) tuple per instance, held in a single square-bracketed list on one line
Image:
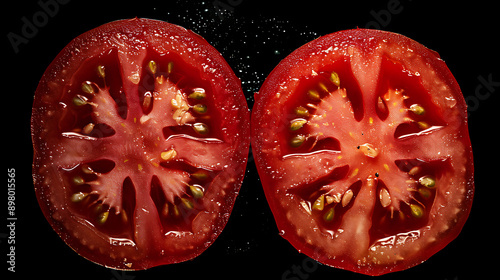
[(254, 36)]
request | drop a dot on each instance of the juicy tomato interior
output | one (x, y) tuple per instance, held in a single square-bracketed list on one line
[(361, 143), (140, 145)]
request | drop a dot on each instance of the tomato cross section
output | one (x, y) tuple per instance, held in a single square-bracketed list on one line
[(363, 151)]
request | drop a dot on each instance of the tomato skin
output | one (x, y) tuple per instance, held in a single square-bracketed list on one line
[(359, 49), (152, 245)]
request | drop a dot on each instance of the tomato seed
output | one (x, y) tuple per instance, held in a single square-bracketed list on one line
[(146, 103), (297, 141), (313, 95), (79, 100), (200, 175), (319, 204), (427, 181), (297, 124), (168, 155), (417, 109), (187, 203), (101, 71), (152, 66), (87, 87), (196, 191), (416, 211), (79, 196), (165, 211), (328, 217), (414, 171), (200, 108), (330, 199), (348, 195), (88, 128), (381, 105), (335, 79), (77, 180), (423, 125), (424, 192), (200, 128), (177, 212), (301, 112), (385, 197), (198, 93), (124, 216), (170, 67), (103, 217)]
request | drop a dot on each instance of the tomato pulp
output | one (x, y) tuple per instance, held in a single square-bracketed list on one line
[(140, 132), (361, 142)]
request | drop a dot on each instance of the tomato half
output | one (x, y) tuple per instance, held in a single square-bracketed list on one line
[(141, 135), (360, 138)]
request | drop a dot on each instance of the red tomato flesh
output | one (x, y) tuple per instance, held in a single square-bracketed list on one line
[(141, 134), (360, 138)]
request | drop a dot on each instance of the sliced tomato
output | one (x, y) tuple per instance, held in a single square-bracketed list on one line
[(360, 138), (141, 133)]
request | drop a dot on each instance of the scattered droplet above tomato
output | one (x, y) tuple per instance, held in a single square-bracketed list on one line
[(140, 132), (361, 142)]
